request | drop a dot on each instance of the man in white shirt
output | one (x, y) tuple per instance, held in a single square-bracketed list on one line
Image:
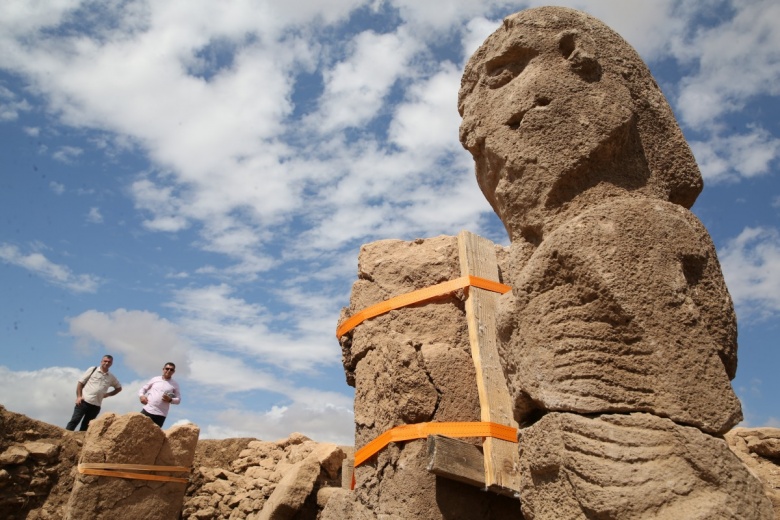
[(159, 393), (90, 390)]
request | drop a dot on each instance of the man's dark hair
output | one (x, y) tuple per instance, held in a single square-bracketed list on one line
[(109, 356), (169, 364)]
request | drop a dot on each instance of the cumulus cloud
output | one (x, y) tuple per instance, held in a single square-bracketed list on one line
[(57, 187), (425, 123), (737, 156), (39, 265), (751, 266), (144, 339), (737, 60), (94, 216), (322, 421), (211, 315), (10, 105), (67, 154), (356, 86)]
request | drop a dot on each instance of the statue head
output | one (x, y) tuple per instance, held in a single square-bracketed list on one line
[(560, 113)]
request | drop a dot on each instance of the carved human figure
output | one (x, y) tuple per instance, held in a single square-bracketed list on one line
[(618, 305)]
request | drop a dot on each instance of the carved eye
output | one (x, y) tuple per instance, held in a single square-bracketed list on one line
[(504, 68)]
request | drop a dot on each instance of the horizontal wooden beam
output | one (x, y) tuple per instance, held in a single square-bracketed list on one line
[(459, 460)]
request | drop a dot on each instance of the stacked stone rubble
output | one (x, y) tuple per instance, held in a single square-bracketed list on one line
[(36, 467), (267, 480)]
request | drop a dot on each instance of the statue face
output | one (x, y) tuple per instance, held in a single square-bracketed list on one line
[(541, 111)]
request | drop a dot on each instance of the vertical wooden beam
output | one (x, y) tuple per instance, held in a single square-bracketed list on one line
[(478, 258), (348, 467)]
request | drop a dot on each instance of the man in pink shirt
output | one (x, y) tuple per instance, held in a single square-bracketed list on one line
[(159, 393)]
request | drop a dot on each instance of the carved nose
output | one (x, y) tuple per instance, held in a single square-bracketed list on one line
[(516, 119)]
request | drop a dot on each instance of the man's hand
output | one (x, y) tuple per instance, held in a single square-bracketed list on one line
[(167, 398), (144, 400), (78, 400)]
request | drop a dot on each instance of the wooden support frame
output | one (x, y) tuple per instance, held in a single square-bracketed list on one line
[(459, 460), (500, 458), (456, 460)]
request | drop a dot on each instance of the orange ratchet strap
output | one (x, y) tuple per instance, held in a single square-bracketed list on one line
[(107, 470), (407, 432), (420, 295)]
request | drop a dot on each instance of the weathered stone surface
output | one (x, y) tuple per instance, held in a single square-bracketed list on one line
[(46, 451), (42, 487), (560, 112), (329, 457), (618, 301), (131, 439), (632, 466), (260, 471), (14, 455), (291, 492), (342, 505), (324, 495), (412, 365), (35, 483), (623, 308), (759, 450)]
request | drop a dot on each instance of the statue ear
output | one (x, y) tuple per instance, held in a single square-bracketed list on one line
[(580, 51)]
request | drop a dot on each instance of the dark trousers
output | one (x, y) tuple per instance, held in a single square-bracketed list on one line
[(158, 419), (83, 412)]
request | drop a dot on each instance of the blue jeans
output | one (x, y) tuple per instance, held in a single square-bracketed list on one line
[(158, 419), (84, 411)]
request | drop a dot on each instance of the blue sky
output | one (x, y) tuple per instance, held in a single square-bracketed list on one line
[(191, 181)]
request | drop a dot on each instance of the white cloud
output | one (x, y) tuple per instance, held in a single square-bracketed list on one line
[(57, 187), (320, 421), (321, 415), (211, 316), (144, 339), (161, 202), (356, 86), (736, 156), (53, 273), (475, 33), (751, 267), (67, 154), (650, 27), (221, 375), (10, 106), (737, 60), (20, 16), (426, 124), (94, 216)]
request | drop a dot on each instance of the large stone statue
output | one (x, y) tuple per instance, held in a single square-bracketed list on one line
[(618, 340)]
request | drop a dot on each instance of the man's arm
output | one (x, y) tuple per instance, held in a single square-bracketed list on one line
[(79, 388), (143, 390), (113, 392), (177, 399)]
